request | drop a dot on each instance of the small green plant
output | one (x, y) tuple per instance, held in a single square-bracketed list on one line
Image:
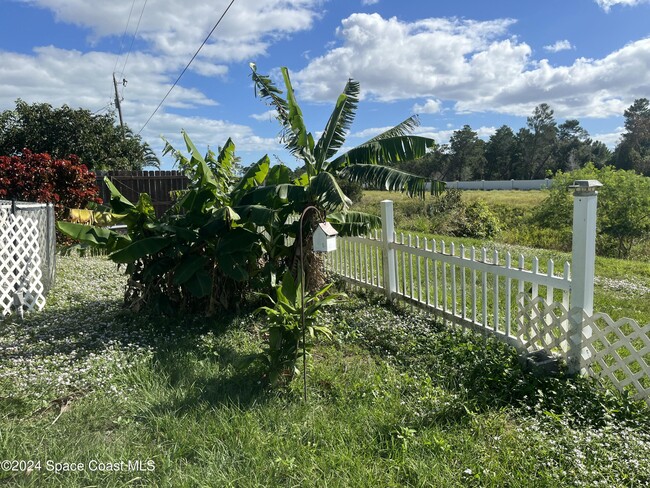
[(285, 328)]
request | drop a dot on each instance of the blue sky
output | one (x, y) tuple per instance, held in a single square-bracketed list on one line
[(452, 62)]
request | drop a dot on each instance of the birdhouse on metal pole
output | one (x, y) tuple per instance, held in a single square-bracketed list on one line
[(325, 238)]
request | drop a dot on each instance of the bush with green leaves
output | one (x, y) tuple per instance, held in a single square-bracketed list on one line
[(623, 219)]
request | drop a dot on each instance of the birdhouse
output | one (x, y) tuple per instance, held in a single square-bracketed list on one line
[(325, 238)]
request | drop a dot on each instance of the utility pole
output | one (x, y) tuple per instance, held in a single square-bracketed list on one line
[(117, 104)]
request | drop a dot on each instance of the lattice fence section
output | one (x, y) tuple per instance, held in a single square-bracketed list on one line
[(20, 272), (617, 352), (620, 352), (541, 325)]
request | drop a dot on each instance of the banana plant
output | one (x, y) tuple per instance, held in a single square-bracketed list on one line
[(366, 164), (284, 326), (203, 250)]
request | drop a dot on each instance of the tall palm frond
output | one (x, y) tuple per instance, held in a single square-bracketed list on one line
[(353, 223), (338, 124), (386, 178), (402, 129), (384, 151), (294, 133)]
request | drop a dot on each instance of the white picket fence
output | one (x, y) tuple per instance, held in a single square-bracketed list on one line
[(529, 305)]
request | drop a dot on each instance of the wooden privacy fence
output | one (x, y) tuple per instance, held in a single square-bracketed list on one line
[(158, 184), (529, 305)]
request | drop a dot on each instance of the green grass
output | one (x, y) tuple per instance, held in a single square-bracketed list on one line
[(395, 400)]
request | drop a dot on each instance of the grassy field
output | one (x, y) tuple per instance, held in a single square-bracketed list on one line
[(507, 198), (394, 400), (622, 287)]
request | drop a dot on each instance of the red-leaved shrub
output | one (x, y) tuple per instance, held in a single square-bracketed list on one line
[(39, 178)]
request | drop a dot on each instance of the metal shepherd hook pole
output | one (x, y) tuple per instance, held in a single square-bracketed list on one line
[(302, 301)]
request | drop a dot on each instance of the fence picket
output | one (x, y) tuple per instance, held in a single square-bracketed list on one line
[(495, 290), (508, 313), (484, 289)]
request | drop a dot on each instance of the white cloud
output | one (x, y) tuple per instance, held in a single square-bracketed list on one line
[(606, 5), (610, 139), (269, 115), (176, 28), (431, 57), (477, 64), (369, 2), (558, 46), (440, 136), (431, 106)]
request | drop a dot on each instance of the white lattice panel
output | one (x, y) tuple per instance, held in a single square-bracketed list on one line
[(19, 262), (617, 351), (620, 352), (542, 325)]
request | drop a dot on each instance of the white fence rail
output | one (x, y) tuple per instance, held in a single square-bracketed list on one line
[(500, 184), (530, 305)]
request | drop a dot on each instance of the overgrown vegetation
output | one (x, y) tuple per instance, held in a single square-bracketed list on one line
[(395, 399)]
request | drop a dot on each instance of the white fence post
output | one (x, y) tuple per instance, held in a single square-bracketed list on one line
[(387, 235), (585, 199)]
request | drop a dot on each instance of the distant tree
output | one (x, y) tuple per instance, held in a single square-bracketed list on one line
[(537, 143), (573, 146), (431, 165), (600, 154), (60, 132), (501, 154), (466, 155), (633, 152)]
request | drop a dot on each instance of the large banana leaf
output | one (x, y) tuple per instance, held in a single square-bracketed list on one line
[(385, 178), (141, 248), (383, 151), (299, 139), (326, 193), (254, 177), (353, 223), (203, 171), (188, 267), (267, 90), (96, 236), (338, 124), (278, 175), (296, 138), (119, 203), (257, 214)]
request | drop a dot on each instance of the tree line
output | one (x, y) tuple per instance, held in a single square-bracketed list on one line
[(541, 147)]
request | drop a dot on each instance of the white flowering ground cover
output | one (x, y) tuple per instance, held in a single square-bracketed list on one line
[(94, 395)]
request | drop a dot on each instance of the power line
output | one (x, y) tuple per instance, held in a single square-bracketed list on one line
[(188, 64), (126, 28), (137, 27)]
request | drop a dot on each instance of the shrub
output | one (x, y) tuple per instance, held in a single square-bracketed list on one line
[(623, 202), (449, 214), (34, 177), (479, 222)]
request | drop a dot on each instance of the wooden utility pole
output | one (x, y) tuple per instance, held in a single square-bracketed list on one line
[(117, 104)]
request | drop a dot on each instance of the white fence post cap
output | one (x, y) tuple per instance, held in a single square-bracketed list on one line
[(585, 186)]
